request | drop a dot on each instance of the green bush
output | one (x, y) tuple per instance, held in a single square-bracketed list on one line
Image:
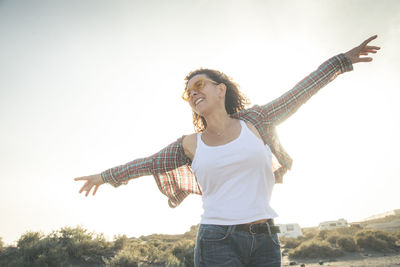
[(123, 258), (120, 242), (33, 249), (10, 257), (56, 249), (29, 239), (139, 253), (184, 252), (50, 253), (375, 240), (172, 261), (315, 249), (80, 244), (28, 245)]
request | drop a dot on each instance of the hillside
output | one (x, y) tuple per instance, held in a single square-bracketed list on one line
[(389, 223)]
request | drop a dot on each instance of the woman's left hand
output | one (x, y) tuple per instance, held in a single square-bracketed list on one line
[(362, 50)]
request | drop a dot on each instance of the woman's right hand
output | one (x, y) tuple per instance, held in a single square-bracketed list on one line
[(91, 181)]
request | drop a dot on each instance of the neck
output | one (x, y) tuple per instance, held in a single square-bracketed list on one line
[(218, 122)]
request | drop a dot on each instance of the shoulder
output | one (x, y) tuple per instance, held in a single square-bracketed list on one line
[(189, 144), (253, 129), (253, 114)]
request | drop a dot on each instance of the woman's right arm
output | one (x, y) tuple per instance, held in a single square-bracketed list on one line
[(168, 158)]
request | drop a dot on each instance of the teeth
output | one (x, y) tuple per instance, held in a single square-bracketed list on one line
[(198, 101)]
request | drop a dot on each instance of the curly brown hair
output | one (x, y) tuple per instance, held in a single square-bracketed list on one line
[(235, 100)]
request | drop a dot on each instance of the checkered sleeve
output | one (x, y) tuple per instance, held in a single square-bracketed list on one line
[(123, 173), (283, 107), (167, 159)]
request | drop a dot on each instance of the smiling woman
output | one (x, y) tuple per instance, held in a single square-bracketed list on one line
[(197, 80), (229, 161)]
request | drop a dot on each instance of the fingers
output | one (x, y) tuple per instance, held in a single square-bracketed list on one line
[(80, 178), (95, 189), (369, 40), (87, 187), (369, 49), (365, 59), (372, 48), (88, 191)]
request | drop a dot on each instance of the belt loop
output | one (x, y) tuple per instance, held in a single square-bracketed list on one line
[(269, 229), (231, 229)]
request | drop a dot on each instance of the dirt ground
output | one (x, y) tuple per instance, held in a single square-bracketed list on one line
[(350, 260)]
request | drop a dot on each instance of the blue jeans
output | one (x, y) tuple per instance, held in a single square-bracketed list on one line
[(220, 245)]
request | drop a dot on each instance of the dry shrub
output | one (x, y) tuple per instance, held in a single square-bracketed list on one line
[(290, 243), (347, 243), (323, 234), (347, 231), (315, 249), (332, 239), (375, 240)]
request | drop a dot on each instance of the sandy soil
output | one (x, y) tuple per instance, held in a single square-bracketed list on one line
[(351, 260)]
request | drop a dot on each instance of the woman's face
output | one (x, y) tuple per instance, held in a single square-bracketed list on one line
[(202, 100)]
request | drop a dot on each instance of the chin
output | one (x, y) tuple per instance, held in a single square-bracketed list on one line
[(201, 111)]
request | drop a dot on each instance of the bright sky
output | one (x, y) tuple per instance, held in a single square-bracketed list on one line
[(89, 85)]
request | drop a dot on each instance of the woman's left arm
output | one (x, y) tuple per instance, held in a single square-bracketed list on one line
[(283, 107)]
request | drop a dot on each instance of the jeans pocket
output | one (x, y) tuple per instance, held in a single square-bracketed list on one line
[(275, 239), (213, 233), (213, 246)]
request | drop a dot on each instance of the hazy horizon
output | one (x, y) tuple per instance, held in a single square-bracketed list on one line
[(89, 85)]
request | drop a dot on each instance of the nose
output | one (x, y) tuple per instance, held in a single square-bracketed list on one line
[(192, 93)]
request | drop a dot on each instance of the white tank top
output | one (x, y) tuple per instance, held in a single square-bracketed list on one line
[(236, 179)]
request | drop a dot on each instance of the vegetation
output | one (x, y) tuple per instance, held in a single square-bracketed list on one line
[(77, 247), (315, 249), (334, 243)]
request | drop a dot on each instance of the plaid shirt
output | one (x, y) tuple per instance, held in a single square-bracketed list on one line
[(171, 168)]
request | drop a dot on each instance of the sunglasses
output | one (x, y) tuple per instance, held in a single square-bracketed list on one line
[(197, 86)]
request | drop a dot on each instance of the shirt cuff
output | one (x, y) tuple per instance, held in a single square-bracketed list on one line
[(345, 64), (109, 178)]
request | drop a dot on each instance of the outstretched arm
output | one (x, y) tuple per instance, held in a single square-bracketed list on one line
[(169, 158), (283, 107)]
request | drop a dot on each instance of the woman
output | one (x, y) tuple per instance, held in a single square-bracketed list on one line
[(233, 160)]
